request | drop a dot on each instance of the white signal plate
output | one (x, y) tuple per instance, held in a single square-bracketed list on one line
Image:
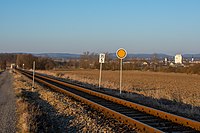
[(102, 58)]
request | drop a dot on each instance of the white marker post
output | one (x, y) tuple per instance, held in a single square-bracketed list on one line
[(101, 61), (33, 85), (23, 66), (121, 54)]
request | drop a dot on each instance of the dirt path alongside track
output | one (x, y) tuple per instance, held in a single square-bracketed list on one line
[(7, 104)]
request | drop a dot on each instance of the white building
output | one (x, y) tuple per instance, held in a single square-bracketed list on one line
[(178, 59), (192, 59), (166, 60), (12, 66)]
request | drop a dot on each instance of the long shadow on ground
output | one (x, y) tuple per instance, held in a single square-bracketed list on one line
[(44, 117)]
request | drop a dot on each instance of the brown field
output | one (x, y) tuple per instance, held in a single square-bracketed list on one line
[(172, 86)]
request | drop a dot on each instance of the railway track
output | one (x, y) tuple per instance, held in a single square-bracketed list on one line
[(144, 119)]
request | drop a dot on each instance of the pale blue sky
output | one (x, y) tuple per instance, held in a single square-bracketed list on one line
[(75, 26)]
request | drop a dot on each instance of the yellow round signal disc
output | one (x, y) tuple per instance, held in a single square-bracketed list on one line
[(121, 53)]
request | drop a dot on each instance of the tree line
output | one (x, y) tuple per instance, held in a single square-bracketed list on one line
[(91, 61), (42, 63), (6, 59), (27, 60)]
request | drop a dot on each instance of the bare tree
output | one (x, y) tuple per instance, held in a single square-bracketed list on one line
[(3, 64), (26, 59), (155, 61)]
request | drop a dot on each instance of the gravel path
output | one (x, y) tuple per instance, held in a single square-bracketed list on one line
[(7, 104)]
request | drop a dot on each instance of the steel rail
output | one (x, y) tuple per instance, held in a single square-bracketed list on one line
[(155, 112), (121, 117), (141, 127)]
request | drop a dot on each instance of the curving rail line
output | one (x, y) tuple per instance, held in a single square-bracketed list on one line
[(143, 118)]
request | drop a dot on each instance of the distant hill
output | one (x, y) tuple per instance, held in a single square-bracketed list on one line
[(58, 55), (160, 56), (191, 55), (144, 56), (113, 55)]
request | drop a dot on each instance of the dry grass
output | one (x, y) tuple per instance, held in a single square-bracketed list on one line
[(178, 87), (21, 105), (34, 113)]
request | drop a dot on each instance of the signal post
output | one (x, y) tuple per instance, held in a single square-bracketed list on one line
[(101, 61), (121, 54)]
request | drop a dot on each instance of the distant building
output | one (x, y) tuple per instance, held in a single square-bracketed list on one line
[(12, 66), (166, 59), (178, 59), (171, 64), (145, 63), (192, 59)]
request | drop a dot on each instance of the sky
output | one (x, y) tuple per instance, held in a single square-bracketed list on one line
[(76, 26)]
